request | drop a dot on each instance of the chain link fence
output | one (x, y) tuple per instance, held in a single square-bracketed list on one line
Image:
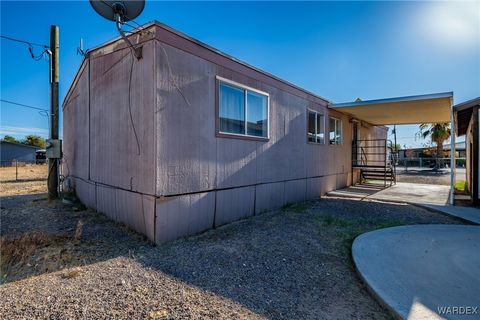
[(18, 171), (429, 162)]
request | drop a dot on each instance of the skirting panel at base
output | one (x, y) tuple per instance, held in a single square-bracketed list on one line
[(135, 210), (184, 215), (170, 218)]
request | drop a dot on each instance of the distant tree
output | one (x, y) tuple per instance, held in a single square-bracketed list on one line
[(10, 139), (34, 140), (438, 133)]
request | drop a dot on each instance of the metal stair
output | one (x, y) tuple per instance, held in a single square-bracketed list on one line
[(375, 159), (378, 173)]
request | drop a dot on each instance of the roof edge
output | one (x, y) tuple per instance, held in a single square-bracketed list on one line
[(21, 144), (440, 95), (208, 47), (466, 104)]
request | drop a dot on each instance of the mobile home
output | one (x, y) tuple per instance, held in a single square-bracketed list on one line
[(188, 138)]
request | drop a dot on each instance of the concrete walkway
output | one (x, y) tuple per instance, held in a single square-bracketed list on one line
[(429, 196), (469, 214), (419, 271), (401, 192)]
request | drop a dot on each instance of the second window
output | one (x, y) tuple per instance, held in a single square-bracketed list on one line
[(316, 127)]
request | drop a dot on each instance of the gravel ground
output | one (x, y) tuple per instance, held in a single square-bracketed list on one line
[(292, 263), (428, 176)]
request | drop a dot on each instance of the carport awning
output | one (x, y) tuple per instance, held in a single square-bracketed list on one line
[(429, 108)]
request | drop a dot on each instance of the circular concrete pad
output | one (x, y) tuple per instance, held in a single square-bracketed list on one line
[(419, 271)]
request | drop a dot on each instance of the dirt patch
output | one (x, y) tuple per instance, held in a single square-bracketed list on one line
[(17, 248)]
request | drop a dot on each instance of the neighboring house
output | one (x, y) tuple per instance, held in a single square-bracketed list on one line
[(420, 152), (11, 151), (188, 138), (467, 120)]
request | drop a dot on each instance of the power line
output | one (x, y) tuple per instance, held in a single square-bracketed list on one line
[(30, 47), (23, 105), (24, 41)]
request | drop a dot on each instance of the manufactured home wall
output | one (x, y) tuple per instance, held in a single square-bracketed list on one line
[(234, 177), (181, 178), (103, 114)]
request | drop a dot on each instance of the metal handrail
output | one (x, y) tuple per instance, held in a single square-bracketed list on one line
[(375, 153), (363, 157)]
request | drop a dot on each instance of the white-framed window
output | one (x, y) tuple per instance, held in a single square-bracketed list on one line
[(242, 111), (315, 127), (335, 127)]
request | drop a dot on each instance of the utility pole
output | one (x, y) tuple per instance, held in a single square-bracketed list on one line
[(53, 142), (395, 135), (395, 143)]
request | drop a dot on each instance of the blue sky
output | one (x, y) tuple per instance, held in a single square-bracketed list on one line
[(339, 50)]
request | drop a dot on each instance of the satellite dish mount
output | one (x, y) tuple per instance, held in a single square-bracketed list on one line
[(120, 12)]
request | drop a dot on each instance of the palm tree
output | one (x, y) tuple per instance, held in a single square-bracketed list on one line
[(438, 133)]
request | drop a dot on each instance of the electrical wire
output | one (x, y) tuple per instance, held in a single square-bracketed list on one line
[(30, 47), (37, 57), (23, 105), (132, 54), (42, 112), (25, 42)]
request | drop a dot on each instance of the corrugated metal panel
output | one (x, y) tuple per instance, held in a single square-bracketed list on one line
[(234, 204)]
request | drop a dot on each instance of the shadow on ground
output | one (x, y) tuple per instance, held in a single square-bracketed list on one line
[(424, 172), (290, 263)]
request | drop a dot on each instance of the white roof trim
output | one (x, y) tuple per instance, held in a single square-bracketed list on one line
[(394, 100)]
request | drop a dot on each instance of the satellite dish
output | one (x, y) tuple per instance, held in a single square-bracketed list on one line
[(115, 10), (120, 12)]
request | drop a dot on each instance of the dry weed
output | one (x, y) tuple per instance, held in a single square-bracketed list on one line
[(79, 230), (17, 248)]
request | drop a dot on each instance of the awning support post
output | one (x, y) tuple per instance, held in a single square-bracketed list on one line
[(452, 158)]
